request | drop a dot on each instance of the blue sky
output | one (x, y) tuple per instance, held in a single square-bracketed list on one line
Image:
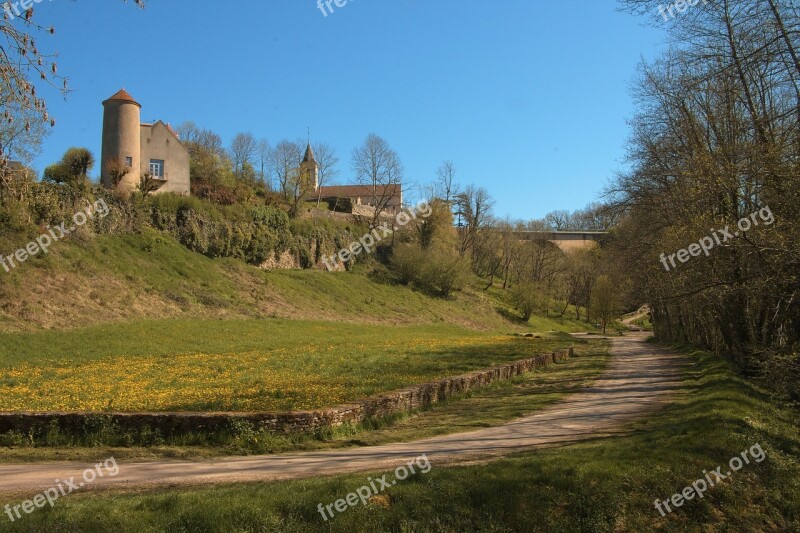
[(529, 98)]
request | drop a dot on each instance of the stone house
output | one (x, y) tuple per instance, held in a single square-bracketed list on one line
[(132, 149)]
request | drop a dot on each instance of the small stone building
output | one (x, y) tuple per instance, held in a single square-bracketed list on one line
[(132, 149)]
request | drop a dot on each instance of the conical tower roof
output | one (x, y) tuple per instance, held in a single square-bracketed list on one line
[(309, 157), (122, 96)]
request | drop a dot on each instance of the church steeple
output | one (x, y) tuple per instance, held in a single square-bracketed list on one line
[(310, 168), (309, 157)]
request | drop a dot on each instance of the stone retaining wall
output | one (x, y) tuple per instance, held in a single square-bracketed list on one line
[(404, 400)]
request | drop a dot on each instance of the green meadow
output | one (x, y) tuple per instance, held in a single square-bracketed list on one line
[(603, 484)]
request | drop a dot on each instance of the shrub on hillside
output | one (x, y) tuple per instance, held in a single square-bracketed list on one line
[(53, 204), (434, 270), (406, 263), (527, 298), (262, 244), (443, 272), (250, 234), (218, 194), (318, 237), (271, 217)]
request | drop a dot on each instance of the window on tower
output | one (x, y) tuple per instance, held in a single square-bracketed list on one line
[(128, 161)]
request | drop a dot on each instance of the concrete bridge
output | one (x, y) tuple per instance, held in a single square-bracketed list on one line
[(566, 240)]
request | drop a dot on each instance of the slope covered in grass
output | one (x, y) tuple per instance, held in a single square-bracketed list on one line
[(115, 278)]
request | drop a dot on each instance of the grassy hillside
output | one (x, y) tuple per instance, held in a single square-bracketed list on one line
[(113, 278), (95, 280)]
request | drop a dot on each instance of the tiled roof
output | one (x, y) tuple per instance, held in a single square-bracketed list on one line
[(123, 96), (363, 191), (172, 131)]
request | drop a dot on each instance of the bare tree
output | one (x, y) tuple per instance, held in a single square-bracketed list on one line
[(595, 217), (15, 182), (377, 165), (188, 131), (23, 65), (327, 161), (21, 133), (580, 274), (603, 300), (242, 151), (446, 186), (300, 182), (197, 140), (116, 170), (207, 153), (474, 208), (493, 252), (558, 220), (284, 160)]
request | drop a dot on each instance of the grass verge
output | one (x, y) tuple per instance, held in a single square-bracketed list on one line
[(606, 484)]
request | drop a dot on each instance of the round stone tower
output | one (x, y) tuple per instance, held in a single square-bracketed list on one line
[(122, 143)]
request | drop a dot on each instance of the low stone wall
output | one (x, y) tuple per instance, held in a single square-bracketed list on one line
[(400, 401)]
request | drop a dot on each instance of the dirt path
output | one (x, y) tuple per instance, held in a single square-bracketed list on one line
[(639, 377), (629, 319)]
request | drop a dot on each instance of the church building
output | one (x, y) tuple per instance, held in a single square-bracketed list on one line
[(363, 198)]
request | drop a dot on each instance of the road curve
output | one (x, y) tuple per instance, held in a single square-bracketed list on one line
[(639, 377)]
